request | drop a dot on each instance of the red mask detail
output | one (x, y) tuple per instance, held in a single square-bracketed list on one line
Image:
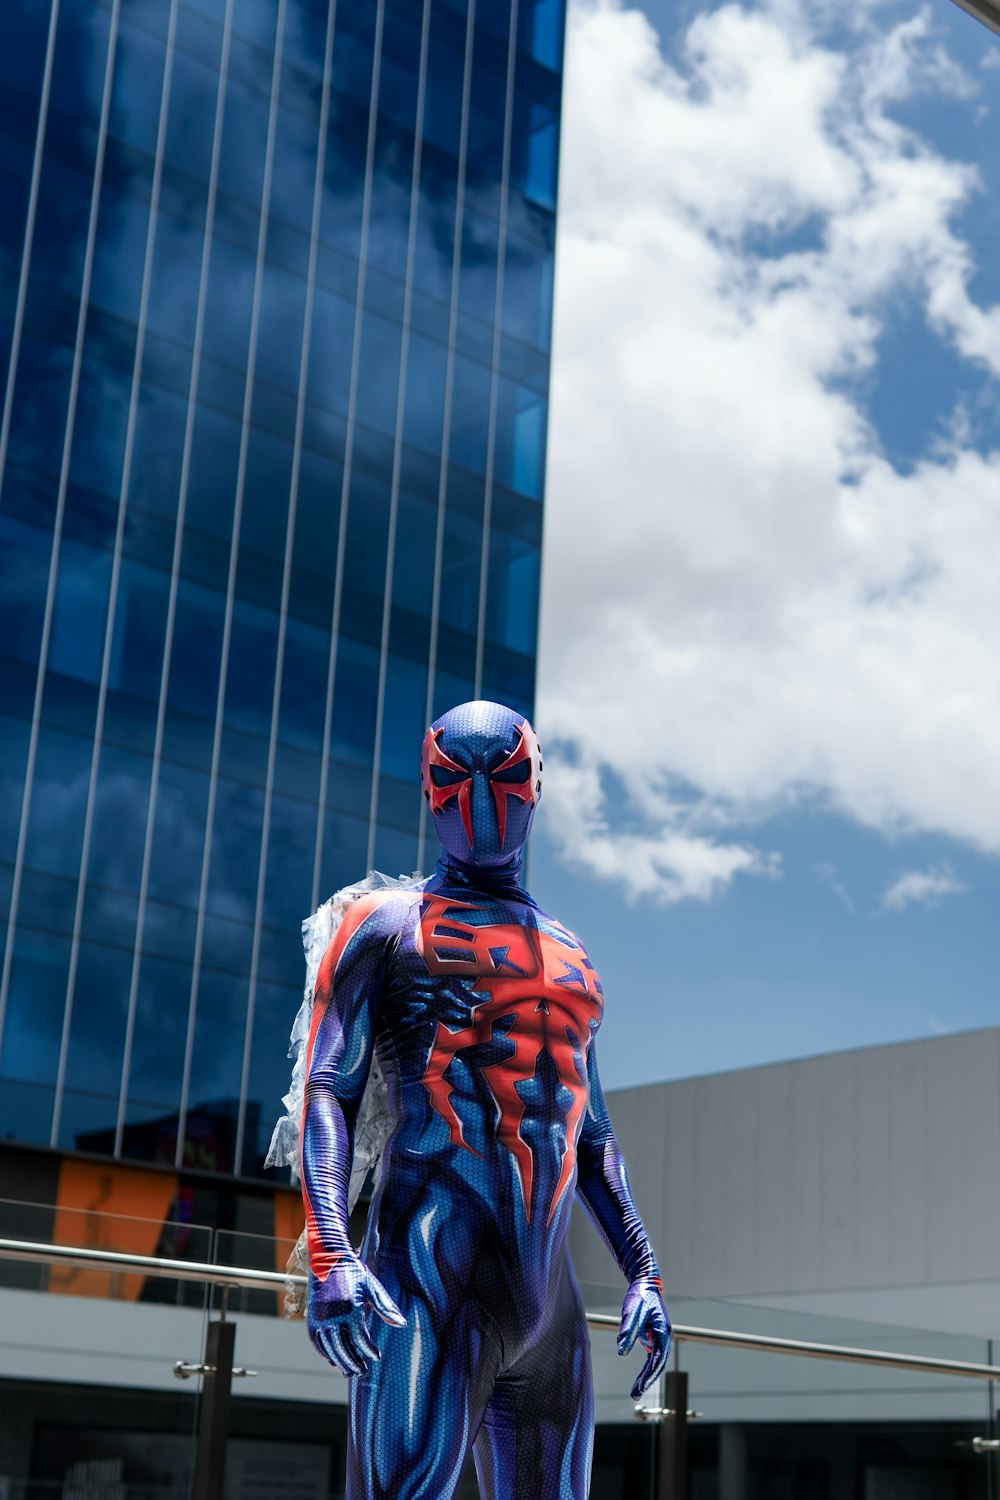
[(552, 993), (438, 796), (526, 749)]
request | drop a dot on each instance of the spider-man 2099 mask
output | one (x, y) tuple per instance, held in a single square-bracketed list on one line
[(481, 770)]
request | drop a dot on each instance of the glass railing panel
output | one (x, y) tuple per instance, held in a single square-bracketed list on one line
[(781, 1424), (92, 1227), (90, 1406)]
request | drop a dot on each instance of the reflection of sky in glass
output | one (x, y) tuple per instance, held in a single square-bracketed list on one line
[(395, 327)]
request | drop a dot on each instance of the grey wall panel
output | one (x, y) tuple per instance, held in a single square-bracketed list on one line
[(837, 1170), (712, 1209), (907, 1163), (675, 1237), (737, 1171), (769, 1265), (979, 1166), (873, 1260), (875, 1168), (946, 1222), (804, 1190)]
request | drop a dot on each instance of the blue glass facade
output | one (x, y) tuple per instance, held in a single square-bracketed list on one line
[(275, 303)]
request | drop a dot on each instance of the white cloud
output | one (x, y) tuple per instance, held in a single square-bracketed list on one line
[(922, 888), (744, 603)]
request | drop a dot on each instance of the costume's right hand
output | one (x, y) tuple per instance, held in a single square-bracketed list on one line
[(337, 1314)]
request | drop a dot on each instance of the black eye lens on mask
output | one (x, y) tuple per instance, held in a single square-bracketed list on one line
[(441, 776), (515, 775)]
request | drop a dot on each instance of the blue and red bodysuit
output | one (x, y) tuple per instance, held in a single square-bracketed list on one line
[(482, 1011)]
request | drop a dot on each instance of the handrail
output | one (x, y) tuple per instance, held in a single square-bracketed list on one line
[(41, 1253)]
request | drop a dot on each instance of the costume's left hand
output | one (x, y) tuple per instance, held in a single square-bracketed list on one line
[(645, 1317)]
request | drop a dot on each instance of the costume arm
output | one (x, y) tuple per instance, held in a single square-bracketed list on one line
[(602, 1183), (348, 993)]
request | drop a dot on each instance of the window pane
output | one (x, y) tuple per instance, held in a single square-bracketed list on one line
[(345, 844), (176, 272), (403, 719), (330, 350), (317, 515), (118, 832), (24, 574), (232, 886), (265, 494), (303, 685), (426, 372), (136, 87), (470, 415), (477, 283), (178, 835), (461, 559), (268, 1079), (157, 451), (140, 622), (13, 758), (416, 539), (77, 643), (196, 651), (119, 254), (289, 863), (36, 1001), (250, 678), (520, 439), (99, 428), (512, 592), (283, 298), (378, 374), (191, 116), (160, 1029), (540, 31), (229, 304), (527, 299), (215, 453), (97, 1031), (354, 702)]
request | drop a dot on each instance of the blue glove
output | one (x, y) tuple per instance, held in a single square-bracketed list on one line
[(338, 1311), (645, 1317)]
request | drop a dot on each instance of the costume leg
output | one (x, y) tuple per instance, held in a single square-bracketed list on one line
[(416, 1412), (536, 1439)]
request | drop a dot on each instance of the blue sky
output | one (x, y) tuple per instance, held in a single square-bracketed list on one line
[(769, 691)]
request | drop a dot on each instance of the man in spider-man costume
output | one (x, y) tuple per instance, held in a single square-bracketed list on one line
[(482, 1012)]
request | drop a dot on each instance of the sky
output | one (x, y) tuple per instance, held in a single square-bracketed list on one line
[(769, 669)]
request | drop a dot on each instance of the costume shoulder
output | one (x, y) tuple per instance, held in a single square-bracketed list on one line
[(366, 927)]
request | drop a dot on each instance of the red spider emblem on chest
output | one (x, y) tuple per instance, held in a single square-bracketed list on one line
[(549, 987)]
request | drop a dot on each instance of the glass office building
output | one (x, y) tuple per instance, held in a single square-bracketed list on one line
[(275, 303)]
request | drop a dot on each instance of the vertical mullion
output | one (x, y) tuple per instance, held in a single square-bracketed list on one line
[(109, 629), (352, 401), (286, 579), (397, 452), (495, 355), (227, 627), (185, 476), (74, 388), (449, 382)]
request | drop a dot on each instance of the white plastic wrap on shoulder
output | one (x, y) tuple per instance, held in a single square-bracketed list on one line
[(371, 1126), (318, 932)]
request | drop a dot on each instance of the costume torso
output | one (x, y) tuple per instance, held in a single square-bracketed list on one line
[(487, 1013)]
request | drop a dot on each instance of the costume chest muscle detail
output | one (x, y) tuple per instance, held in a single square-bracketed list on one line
[(493, 994)]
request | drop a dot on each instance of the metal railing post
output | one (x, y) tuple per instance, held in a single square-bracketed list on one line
[(673, 1437), (213, 1422)]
